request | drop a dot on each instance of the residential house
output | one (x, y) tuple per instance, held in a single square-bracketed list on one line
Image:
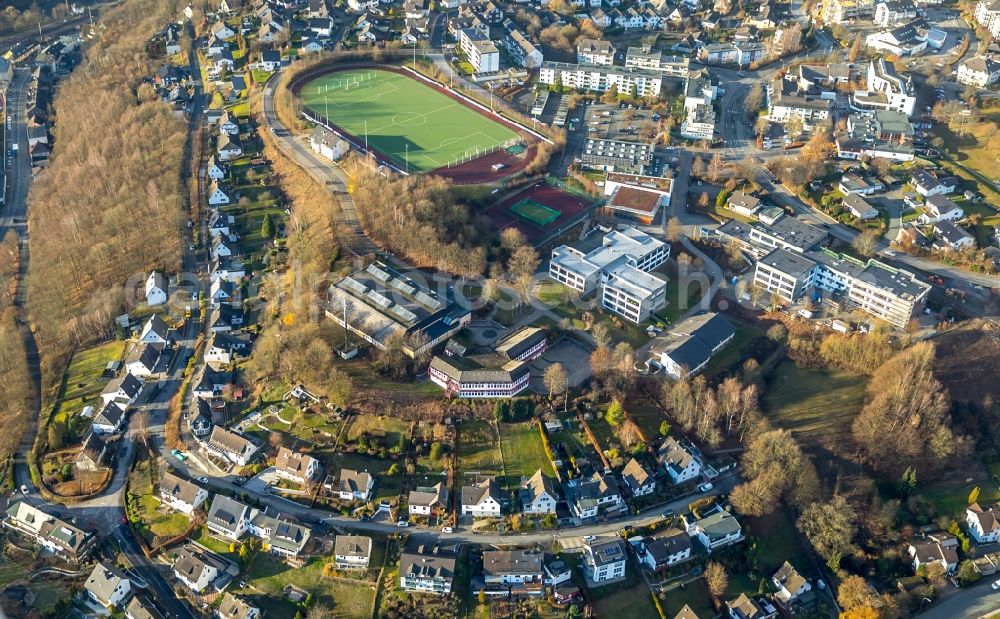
[(789, 585), (220, 223), (156, 289), (328, 143), (940, 208), (228, 517), (595, 52), (298, 467), (426, 501), (556, 571), (744, 203), (280, 536), (229, 147), (320, 27), (859, 207), (587, 497), (716, 530), (513, 572), (930, 183), (934, 548), (234, 447), (746, 607), (217, 194), (854, 184), (107, 585), (686, 613), (427, 570), (224, 347), (180, 494), (141, 607), (482, 500), (91, 456), (678, 461), (221, 31), (226, 269), (538, 495), (123, 391), (979, 71), (52, 534), (983, 524), (213, 383), (638, 479), (225, 318), (222, 247), (352, 551), (141, 360), (233, 607), (270, 60), (949, 237), (666, 549), (354, 485), (110, 419), (155, 331), (228, 124), (604, 560), (197, 569), (222, 291)]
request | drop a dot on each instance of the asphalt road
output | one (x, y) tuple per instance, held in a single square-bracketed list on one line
[(972, 603)]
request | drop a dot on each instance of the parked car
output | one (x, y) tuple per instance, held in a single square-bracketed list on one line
[(202, 480), (705, 487), (668, 514), (447, 530), (996, 585), (403, 523)]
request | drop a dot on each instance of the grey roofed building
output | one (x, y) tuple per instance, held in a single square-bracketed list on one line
[(635, 475), (111, 415), (788, 262), (689, 344), (519, 561), (538, 485), (285, 537), (53, 533), (228, 514), (671, 542), (672, 455), (472, 495), (607, 552), (353, 547), (480, 369), (743, 201), (233, 607), (103, 582), (142, 607), (147, 355), (429, 498), (952, 235), (91, 454), (426, 565), (178, 488), (191, 564), (520, 342), (130, 386), (232, 443), (355, 482)]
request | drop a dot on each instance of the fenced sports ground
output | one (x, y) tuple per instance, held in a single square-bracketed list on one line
[(536, 213), (419, 128)]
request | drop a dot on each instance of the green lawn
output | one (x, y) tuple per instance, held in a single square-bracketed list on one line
[(523, 452), (479, 449), (817, 405), (84, 378), (406, 120), (267, 579), (16, 567), (694, 594), (735, 351), (633, 603)]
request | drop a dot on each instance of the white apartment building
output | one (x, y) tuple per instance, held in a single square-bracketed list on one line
[(887, 293), (978, 71), (894, 12), (988, 16), (699, 123), (483, 55), (595, 52), (604, 560), (887, 90), (843, 11), (639, 82), (620, 266), (647, 60)]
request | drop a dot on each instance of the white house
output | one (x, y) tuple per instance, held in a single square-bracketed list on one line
[(217, 195), (979, 71), (156, 289), (680, 464), (229, 147), (983, 524), (154, 331), (228, 125), (141, 361), (228, 517), (110, 419), (180, 494), (638, 480), (716, 530), (538, 495), (424, 501), (352, 551), (107, 585), (482, 500), (295, 466), (604, 560), (328, 144), (789, 584), (669, 548), (354, 485), (934, 548), (513, 572), (929, 183), (197, 569), (232, 446), (949, 237), (859, 207), (233, 607), (122, 391), (939, 208), (222, 31)]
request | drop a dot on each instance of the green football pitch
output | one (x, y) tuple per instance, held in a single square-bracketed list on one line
[(418, 127), (536, 213)]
